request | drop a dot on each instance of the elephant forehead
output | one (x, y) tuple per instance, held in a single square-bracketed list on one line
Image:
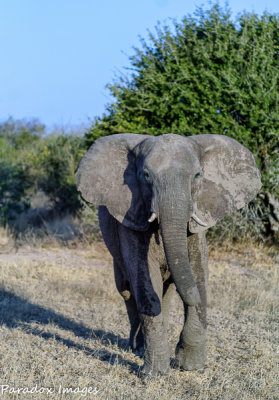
[(166, 156)]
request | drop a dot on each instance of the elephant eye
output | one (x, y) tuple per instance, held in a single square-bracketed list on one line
[(146, 174), (198, 175)]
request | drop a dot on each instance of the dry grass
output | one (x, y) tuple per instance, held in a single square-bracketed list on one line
[(63, 323)]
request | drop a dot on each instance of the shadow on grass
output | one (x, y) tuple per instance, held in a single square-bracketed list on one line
[(16, 312)]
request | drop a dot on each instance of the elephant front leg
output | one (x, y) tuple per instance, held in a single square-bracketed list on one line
[(191, 349), (157, 353), (146, 286)]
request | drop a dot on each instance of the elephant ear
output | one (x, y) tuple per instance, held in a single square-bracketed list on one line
[(107, 176), (230, 179)]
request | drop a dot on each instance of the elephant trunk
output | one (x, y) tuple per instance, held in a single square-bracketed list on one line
[(173, 225)]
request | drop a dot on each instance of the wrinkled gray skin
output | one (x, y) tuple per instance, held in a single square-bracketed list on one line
[(132, 176)]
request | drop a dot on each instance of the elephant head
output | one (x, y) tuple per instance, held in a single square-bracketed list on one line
[(187, 183)]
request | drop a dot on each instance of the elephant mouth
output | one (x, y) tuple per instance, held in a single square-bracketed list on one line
[(194, 216)]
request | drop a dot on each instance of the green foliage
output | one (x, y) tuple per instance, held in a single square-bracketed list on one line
[(13, 184), (32, 161), (54, 162), (207, 74), (20, 134)]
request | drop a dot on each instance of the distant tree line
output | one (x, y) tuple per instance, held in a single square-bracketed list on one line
[(32, 161)]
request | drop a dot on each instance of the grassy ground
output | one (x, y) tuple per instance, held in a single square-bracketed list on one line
[(63, 325)]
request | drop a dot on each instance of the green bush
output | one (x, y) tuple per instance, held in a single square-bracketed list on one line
[(32, 162), (14, 182), (54, 162), (208, 74)]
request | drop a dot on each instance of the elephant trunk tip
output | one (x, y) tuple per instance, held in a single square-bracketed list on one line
[(192, 297)]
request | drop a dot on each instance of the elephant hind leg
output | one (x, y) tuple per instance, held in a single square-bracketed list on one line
[(136, 339)]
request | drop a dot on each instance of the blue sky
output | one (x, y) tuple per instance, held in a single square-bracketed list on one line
[(58, 55)]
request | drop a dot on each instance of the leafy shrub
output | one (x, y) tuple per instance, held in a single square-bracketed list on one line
[(207, 74), (32, 162), (13, 184), (54, 162)]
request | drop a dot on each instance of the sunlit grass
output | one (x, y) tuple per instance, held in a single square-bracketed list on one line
[(63, 323)]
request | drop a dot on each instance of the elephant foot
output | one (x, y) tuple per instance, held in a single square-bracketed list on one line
[(138, 351), (190, 357), (154, 371), (156, 365)]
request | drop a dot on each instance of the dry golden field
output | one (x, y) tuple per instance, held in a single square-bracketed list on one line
[(64, 329)]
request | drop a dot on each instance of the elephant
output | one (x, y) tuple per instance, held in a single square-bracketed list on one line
[(157, 196)]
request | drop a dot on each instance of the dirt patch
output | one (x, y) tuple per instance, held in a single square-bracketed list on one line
[(90, 256)]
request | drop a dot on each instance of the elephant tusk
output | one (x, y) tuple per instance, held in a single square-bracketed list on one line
[(153, 216), (197, 220)]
